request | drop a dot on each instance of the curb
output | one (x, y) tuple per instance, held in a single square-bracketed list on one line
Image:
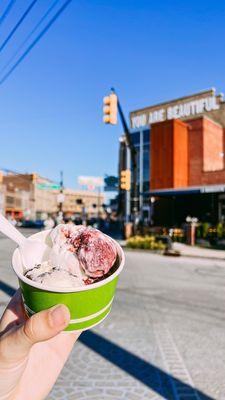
[(161, 252), (202, 257)]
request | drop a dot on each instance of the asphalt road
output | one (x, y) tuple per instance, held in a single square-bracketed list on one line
[(164, 338)]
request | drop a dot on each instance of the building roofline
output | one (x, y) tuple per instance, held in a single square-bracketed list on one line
[(220, 188), (213, 90), (203, 116)]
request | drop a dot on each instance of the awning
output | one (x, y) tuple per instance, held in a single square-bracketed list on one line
[(185, 191)]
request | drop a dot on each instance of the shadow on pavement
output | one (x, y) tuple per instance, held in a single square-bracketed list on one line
[(153, 377), (9, 290)]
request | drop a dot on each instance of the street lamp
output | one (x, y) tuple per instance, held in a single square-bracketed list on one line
[(192, 224), (152, 201)]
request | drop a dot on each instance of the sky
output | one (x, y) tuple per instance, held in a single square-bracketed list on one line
[(150, 51)]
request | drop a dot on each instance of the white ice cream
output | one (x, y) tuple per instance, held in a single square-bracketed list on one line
[(77, 256), (62, 268)]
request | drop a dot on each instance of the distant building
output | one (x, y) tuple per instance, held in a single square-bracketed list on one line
[(30, 196), (82, 203), (27, 197), (180, 154)]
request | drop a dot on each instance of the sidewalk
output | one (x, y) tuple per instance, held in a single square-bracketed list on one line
[(192, 251), (195, 251)]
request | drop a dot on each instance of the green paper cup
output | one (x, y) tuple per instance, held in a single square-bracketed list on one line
[(88, 305)]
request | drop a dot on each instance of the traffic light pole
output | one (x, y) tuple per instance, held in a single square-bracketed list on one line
[(133, 153), (61, 192), (127, 207)]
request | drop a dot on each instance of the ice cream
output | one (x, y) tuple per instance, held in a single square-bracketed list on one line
[(51, 276), (79, 256), (96, 254)]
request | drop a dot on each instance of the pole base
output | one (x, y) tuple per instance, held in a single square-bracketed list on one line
[(128, 230)]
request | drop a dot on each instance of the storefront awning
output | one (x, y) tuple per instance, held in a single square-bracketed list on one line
[(186, 190)]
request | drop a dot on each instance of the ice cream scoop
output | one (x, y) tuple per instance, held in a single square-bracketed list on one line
[(52, 276), (79, 256), (97, 253)]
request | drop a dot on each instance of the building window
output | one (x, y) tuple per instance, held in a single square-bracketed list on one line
[(146, 168), (9, 200), (136, 138), (144, 162)]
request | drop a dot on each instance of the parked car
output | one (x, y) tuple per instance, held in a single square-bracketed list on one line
[(38, 224)]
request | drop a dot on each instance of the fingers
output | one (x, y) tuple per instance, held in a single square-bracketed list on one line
[(16, 343), (14, 313)]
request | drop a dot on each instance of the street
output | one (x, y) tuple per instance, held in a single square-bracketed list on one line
[(164, 338)]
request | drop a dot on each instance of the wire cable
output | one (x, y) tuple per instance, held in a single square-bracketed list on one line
[(55, 2), (7, 10), (38, 38), (17, 25)]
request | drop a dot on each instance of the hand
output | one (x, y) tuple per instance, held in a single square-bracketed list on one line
[(32, 351)]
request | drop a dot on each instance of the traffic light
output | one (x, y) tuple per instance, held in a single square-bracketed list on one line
[(110, 109), (125, 176)]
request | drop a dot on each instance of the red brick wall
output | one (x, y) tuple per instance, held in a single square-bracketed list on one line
[(161, 155), (169, 155), (195, 151), (212, 146), (187, 154), (202, 143), (180, 154)]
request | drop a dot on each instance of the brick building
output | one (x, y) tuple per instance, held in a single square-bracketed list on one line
[(30, 196), (24, 196), (83, 203), (180, 148)]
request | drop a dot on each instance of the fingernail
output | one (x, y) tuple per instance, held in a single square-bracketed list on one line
[(59, 316)]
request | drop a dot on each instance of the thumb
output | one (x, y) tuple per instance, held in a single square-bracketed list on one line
[(15, 345)]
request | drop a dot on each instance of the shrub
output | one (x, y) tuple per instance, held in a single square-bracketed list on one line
[(220, 230), (145, 242), (205, 228)]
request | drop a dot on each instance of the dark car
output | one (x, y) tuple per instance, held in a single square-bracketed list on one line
[(38, 224)]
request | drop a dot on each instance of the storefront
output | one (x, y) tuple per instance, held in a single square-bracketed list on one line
[(180, 147)]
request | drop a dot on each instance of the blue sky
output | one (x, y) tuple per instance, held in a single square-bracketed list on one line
[(150, 51)]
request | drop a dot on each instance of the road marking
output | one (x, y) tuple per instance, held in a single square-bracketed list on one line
[(174, 364)]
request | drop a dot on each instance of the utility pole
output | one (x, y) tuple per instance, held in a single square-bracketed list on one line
[(99, 204), (60, 198), (128, 197), (133, 153)]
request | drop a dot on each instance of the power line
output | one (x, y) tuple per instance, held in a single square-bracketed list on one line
[(7, 10), (30, 34), (41, 34), (17, 25)]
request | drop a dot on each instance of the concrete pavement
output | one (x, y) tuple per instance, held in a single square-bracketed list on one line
[(197, 251), (164, 338)]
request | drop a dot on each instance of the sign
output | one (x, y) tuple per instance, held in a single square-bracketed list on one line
[(48, 186), (213, 189), (182, 108), (91, 181), (111, 183), (60, 198)]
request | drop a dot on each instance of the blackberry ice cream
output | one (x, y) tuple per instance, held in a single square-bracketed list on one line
[(96, 254), (79, 256)]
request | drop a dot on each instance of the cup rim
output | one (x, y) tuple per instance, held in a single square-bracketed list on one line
[(67, 290)]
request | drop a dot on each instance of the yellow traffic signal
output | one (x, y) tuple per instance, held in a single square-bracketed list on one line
[(125, 176), (110, 109)]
